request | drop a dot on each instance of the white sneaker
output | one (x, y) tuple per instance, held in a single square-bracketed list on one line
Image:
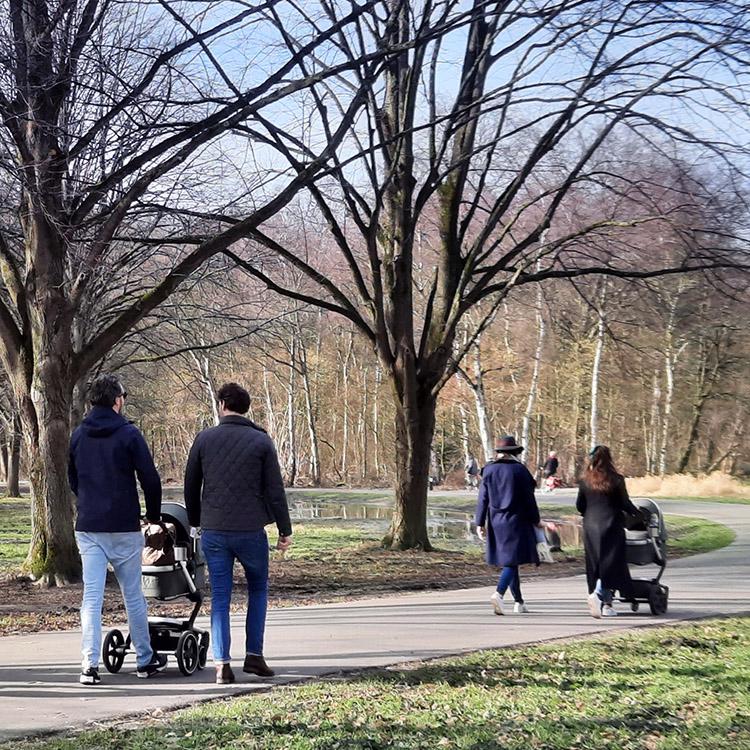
[(520, 608), (609, 611), (595, 606), (497, 603)]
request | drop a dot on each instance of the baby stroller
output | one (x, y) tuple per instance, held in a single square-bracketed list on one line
[(552, 482), (646, 544), (173, 567)]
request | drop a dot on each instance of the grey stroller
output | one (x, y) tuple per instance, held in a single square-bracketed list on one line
[(178, 571), (646, 544)]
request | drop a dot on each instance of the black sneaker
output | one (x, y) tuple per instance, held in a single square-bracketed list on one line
[(157, 664), (90, 677)]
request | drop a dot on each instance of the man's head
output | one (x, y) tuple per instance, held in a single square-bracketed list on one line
[(553, 454), (107, 391), (233, 399)]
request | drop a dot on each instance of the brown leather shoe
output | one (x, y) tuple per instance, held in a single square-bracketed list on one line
[(224, 674), (255, 664)]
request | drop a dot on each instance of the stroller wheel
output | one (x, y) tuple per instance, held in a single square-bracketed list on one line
[(634, 606), (187, 653), (113, 651), (203, 651)]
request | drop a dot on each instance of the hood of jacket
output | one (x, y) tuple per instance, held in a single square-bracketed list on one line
[(102, 421)]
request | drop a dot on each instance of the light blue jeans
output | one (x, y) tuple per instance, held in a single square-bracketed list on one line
[(123, 551)]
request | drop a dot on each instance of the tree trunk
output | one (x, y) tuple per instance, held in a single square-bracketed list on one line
[(534, 385), (310, 413), (14, 459), (291, 419), (669, 368), (595, 373), (53, 557), (415, 429)]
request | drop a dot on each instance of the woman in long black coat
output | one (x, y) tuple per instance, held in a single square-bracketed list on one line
[(507, 515), (603, 502)]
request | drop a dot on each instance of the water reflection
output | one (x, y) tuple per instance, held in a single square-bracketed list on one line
[(442, 523)]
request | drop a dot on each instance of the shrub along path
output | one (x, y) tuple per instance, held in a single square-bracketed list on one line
[(39, 692)]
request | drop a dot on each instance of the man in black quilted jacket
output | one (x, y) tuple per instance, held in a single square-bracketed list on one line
[(233, 490)]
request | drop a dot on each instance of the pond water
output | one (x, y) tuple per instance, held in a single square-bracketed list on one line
[(375, 515)]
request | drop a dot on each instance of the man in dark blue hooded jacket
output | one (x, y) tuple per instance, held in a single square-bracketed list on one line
[(107, 454)]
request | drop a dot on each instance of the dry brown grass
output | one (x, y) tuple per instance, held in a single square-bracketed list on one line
[(717, 484)]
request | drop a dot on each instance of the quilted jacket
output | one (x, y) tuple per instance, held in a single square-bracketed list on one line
[(233, 480)]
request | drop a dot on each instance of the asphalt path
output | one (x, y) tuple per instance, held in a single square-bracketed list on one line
[(39, 691)]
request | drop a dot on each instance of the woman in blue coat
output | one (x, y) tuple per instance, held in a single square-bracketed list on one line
[(507, 516)]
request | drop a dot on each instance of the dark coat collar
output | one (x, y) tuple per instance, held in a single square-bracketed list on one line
[(237, 419)]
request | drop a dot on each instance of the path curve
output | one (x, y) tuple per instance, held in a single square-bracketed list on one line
[(38, 673)]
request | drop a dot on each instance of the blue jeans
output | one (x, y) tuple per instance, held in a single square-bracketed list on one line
[(220, 549), (123, 551), (509, 578)]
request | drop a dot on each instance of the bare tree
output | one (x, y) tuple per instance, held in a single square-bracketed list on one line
[(464, 166), (110, 112)]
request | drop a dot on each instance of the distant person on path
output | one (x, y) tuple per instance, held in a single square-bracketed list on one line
[(233, 489), (107, 453), (471, 472), (551, 465), (603, 502), (507, 508)]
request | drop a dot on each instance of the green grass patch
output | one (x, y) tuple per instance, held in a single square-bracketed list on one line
[(317, 541), (692, 536), (15, 531), (677, 688)]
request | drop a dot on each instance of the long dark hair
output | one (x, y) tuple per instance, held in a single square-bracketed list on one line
[(600, 473)]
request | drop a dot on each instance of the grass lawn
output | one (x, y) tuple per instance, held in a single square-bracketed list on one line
[(676, 688), (15, 532), (316, 539), (715, 499)]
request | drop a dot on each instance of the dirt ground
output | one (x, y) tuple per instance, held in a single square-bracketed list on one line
[(367, 571)]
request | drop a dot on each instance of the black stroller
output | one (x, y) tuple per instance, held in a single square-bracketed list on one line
[(179, 572), (646, 544)]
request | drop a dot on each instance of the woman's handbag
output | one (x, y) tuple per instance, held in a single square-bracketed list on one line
[(542, 546)]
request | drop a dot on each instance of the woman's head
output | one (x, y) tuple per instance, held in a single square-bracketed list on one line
[(600, 473)]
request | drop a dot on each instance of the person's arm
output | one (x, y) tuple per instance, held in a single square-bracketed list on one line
[(72, 471), (625, 502), (193, 484), (273, 491), (148, 476), (483, 504), (581, 501), (535, 518)]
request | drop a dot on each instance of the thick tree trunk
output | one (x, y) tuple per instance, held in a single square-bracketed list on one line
[(414, 433), (53, 557)]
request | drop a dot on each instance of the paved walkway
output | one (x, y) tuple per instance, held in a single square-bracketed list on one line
[(38, 678)]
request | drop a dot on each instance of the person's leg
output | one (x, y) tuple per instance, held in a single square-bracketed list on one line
[(220, 561), (603, 593), (125, 555), (515, 586), (507, 575), (251, 550), (94, 562)]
